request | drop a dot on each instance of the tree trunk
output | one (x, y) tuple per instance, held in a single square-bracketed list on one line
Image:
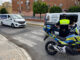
[(33, 14), (40, 16)]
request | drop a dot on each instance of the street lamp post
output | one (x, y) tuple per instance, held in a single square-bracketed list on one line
[(76, 2), (20, 6)]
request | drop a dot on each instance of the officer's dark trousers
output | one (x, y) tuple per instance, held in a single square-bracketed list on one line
[(64, 31)]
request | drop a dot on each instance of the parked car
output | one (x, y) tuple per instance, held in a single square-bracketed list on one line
[(13, 20)]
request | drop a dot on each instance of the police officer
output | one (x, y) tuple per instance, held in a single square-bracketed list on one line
[(64, 26), (74, 29)]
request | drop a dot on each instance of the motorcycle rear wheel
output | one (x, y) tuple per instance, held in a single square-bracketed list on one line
[(49, 48)]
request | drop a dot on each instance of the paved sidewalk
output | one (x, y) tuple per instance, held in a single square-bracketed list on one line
[(35, 23), (9, 51)]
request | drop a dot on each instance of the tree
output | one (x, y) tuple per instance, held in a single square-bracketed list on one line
[(0, 11), (74, 9), (40, 8), (55, 9), (3, 11)]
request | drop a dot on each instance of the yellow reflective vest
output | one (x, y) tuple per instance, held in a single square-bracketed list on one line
[(76, 30), (64, 22)]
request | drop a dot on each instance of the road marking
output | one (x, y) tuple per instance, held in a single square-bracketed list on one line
[(38, 33), (34, 37), (23, 40)]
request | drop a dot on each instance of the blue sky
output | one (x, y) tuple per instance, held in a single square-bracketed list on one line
[(1, 1)]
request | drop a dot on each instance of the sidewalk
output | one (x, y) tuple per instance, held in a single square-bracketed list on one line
[(9, 51), (35, 23)]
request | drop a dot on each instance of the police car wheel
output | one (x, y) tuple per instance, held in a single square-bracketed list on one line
[(2, 23), (49, 48)]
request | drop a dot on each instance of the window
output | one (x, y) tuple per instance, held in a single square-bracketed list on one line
[(42, 0), (60, 4), (27, 4), (3, 16), (54, 4), (35, 0), (21, 2), (17, 2)]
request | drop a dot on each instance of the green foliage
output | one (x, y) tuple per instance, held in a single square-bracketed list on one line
[(40, 7), (3, 11), (74, 9), (55, 9)]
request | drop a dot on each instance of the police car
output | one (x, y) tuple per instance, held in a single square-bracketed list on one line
[(53, 18)]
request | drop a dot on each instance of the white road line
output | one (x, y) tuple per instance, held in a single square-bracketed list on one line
[(23, 40), (37, 33), (35, 37)]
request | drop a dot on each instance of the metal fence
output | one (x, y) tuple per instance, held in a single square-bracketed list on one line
[(33, 17)]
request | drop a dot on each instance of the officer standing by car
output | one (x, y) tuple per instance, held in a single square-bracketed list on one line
[(74, 29), (63, 24)]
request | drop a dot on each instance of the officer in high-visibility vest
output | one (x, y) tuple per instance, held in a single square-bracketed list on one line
[(74, 29), (64, 26)]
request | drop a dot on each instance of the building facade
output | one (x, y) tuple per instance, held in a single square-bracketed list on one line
[(8, 6), (22, 5), (26, 5)]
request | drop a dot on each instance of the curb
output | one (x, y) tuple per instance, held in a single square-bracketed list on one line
[(35, 24), (3, 38), (25, 54)]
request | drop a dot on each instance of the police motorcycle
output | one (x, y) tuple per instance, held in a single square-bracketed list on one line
[(55, 44), (68, 45)]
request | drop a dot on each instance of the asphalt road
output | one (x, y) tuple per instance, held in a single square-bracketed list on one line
[(31, 39)]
